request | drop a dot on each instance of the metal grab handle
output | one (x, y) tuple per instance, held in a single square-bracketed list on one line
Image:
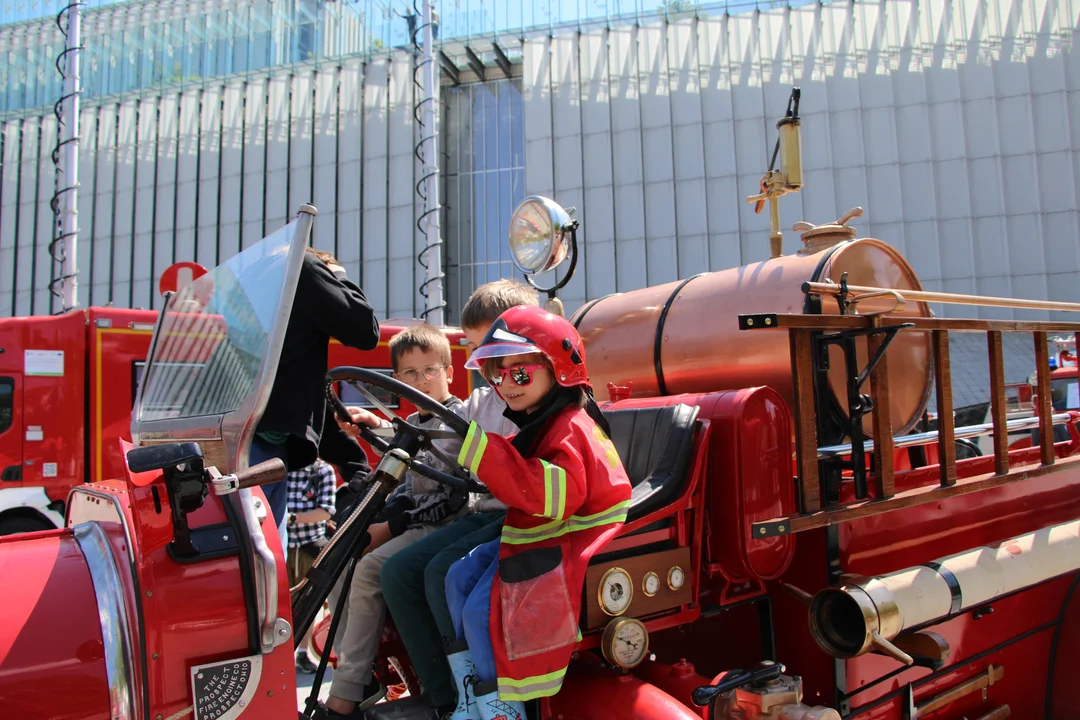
[(264, 473), (266, 581)]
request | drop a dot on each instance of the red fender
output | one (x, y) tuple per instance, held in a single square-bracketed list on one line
[(52, 653), (594, 693)]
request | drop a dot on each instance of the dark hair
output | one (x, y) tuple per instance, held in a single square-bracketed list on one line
[(490, 367), (492, 299), (425, 338)]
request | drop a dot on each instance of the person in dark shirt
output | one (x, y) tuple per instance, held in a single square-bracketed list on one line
[(326, 305)]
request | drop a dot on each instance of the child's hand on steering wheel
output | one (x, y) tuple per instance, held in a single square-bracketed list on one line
[(359, 416)]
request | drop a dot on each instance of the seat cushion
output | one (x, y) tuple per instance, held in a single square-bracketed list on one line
[(654, 444)]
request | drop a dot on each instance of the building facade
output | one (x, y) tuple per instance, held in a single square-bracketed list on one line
[(956, 125)]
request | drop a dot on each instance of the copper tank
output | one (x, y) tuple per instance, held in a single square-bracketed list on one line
[(684, 336)]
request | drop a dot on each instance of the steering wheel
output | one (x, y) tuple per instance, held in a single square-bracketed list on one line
[(382, 440)]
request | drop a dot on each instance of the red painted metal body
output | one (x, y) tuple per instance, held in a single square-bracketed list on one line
[(52, 662), (104, 350), (678, 680), (182, 615), (593, 693)]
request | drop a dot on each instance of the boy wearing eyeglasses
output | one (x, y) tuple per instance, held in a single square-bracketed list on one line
[(420, 356)]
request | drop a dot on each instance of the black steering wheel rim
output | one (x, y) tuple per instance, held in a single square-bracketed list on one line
[(460, 478), (417, 398)]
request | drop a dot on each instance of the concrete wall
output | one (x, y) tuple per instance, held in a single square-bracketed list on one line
[(956, 125), (200, 174)]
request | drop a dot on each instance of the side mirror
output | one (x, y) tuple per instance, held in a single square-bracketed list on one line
[(541, 235)]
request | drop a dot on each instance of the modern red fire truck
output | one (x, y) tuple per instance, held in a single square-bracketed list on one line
[(776, 562), (67, 386)]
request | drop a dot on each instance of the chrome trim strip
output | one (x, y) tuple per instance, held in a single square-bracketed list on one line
[(115, 630), (136, 610)]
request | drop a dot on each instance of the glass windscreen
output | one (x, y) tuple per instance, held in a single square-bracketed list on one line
[(1065, 394), (215, 333)]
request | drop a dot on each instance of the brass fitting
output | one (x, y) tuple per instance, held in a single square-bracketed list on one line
[(855, 618)]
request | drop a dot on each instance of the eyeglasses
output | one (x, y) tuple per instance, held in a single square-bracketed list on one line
[(430, 372), (522, 374)]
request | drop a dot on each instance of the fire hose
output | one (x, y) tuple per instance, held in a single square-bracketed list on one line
[(867, 613)]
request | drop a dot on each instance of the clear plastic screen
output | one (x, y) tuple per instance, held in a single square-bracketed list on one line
[(215, 333)]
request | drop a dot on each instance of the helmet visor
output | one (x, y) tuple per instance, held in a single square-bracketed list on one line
[(499, 349)]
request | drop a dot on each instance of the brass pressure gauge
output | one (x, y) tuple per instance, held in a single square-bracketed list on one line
[(625, 642), (675, 577), (650, 584), (615, 591)]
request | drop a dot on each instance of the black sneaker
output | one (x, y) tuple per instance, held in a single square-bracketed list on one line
[(304, 664)]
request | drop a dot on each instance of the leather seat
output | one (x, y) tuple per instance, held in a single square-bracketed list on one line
[(655, 445)]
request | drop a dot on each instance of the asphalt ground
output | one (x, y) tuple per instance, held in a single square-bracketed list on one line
[(303, 686)]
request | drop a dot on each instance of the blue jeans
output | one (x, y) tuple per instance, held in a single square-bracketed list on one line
[(468, 594), (277, 494)]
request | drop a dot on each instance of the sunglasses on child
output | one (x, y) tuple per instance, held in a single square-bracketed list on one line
[(430, 372), (521, 374)]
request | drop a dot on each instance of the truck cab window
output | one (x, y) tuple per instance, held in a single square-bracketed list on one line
[(7, 402)]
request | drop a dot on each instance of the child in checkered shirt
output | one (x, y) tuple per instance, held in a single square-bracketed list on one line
[(311, 503)]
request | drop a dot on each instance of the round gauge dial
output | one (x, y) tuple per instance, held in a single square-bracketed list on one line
[(615, 592), (675, 577), (625, 642), (650, 584)]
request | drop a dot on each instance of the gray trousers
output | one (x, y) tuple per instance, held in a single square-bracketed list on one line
[(361, 627)]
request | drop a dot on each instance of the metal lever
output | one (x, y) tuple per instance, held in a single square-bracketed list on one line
[(758, 675), (264, 473)]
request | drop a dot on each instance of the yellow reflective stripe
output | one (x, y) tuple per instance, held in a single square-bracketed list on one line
[(547, 489), (466, 446), (475, 464), (531, 687), (554, 491), (559, 482), (614, 514), (472, 450), (523, 536)]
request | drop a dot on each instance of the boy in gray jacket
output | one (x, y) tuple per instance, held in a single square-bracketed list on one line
[(414, 580), (415, 509)]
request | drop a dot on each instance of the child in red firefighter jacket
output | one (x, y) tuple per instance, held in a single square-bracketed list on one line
[(516, 600)]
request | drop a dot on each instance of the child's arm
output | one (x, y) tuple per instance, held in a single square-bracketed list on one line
[(327, 482), (552, 488)]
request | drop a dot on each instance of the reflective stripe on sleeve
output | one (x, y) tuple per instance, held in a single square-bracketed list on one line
[(472, 450), (523, 536), (554, 491), (531, 687)]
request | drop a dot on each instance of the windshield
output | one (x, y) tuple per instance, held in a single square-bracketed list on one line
[(214, 334), (1065, 394)]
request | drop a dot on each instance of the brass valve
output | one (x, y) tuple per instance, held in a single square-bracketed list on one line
[(789, 178), (814, 236)]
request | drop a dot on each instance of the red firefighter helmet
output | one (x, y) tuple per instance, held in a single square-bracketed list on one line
[(526, 329)]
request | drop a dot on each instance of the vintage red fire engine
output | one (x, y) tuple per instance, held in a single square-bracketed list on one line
[(786, 554), (90, 362)]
